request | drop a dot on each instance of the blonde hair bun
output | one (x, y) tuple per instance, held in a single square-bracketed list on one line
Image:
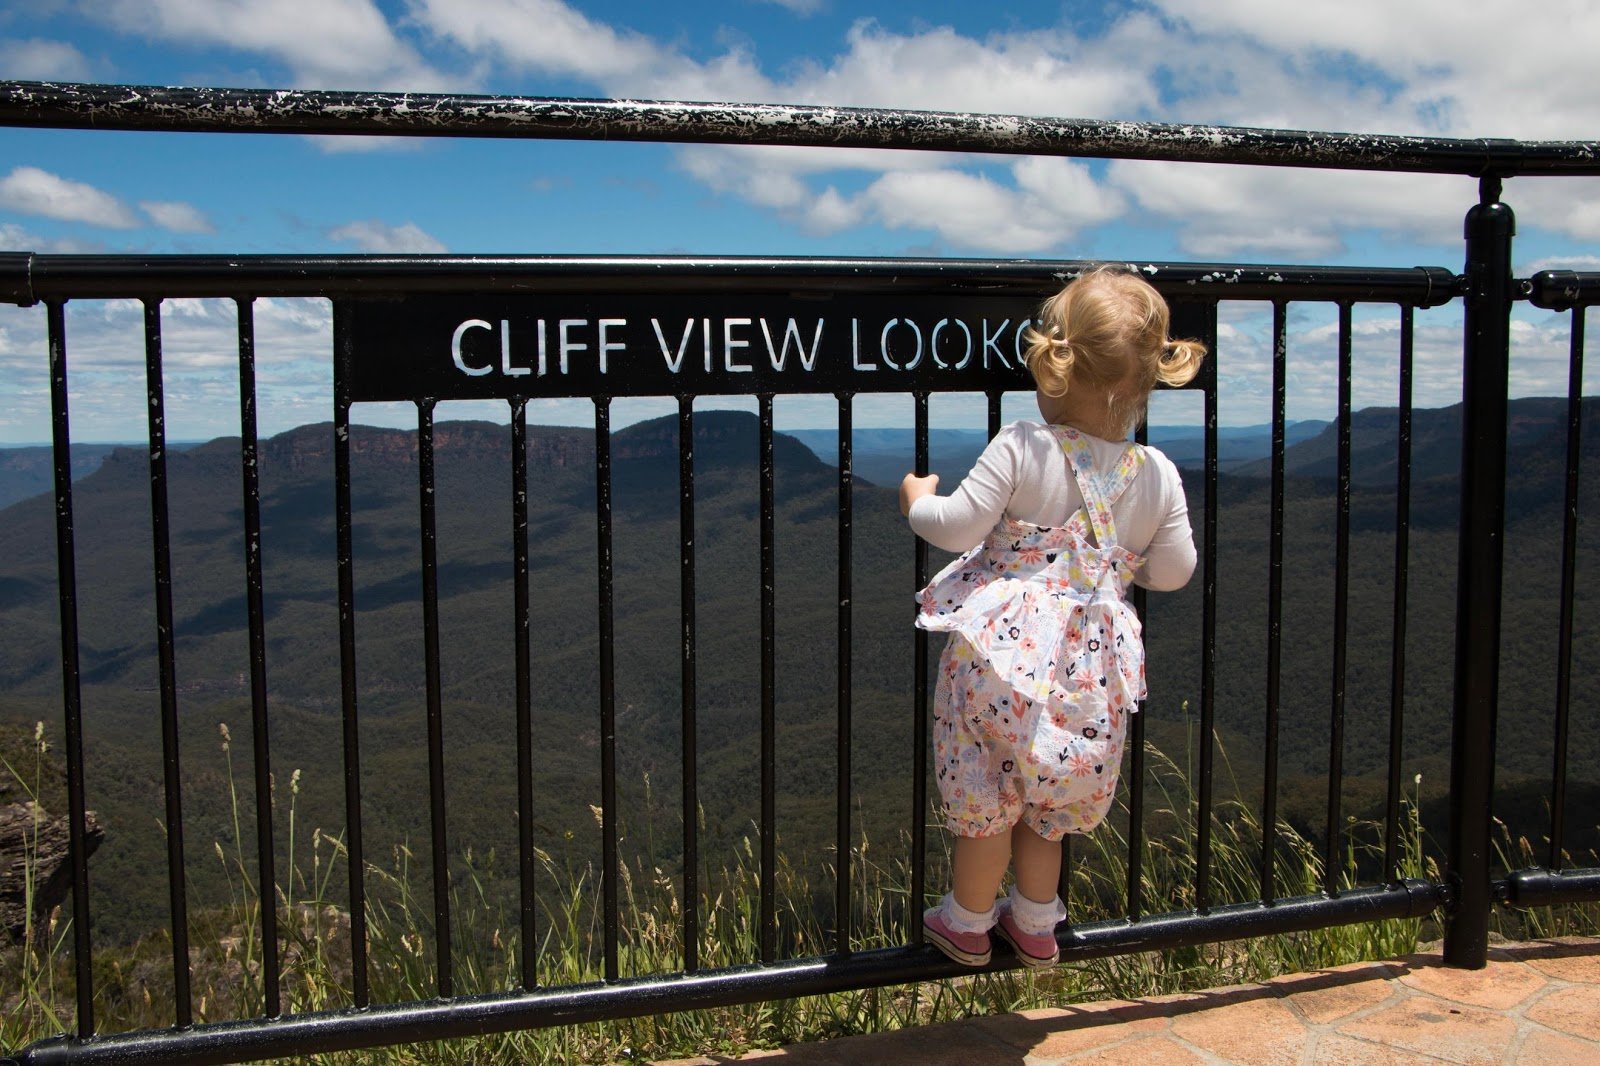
[(1108, 328)]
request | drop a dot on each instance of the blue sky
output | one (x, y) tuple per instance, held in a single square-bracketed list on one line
[(1408, 66)]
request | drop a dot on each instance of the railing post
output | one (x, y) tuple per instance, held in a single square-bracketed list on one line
[(1487, 321)]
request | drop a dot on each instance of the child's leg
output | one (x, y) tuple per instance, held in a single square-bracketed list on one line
[(980, 863), (959, 926), (1037, 863), (1027, 920)]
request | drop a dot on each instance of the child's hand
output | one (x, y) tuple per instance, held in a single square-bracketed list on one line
[(913, 488)]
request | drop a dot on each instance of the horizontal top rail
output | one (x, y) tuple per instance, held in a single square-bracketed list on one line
[(26, 278), (192, 109), (1559, 290)]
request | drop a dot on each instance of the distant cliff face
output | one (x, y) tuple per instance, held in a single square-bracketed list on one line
[(29, 471), (1536, 427), (719, 437), (309, 449)]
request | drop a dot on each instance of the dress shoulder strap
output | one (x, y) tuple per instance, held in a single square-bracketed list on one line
[(1100, 490)]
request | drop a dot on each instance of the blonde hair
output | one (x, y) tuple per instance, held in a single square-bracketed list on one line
[(1107, 328)]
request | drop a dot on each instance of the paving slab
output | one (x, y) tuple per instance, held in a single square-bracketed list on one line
[(1326, 996), (1470, 1036), (1574, 1010), (1249, 1031), (1551, 1049), (1149, 1051), (1053, 1033), (1500, 985), (1534, 1004)]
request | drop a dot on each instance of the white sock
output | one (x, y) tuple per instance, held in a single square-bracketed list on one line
[(1033, 917), (964, 921)]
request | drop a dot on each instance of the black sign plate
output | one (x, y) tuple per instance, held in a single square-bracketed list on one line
[(457, 346)]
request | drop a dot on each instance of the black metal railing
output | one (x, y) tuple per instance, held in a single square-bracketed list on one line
[(381, 303)]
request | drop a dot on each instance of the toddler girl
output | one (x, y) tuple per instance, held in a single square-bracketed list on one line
[(1045, 661)]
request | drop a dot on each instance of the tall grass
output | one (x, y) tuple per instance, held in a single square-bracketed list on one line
[(133, 984), (1537, 923)]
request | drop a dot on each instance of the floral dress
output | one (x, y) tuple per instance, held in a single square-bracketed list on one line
[(1044, 664)]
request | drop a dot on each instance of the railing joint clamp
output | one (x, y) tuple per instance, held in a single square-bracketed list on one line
[(1450, 894)]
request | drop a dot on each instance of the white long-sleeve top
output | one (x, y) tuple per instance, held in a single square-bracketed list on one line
[(1023, 474)]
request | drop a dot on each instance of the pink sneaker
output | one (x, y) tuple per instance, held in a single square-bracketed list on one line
[(1033, 949), (969, 949)]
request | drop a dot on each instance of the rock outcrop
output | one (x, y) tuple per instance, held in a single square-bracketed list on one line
[(31, 837)]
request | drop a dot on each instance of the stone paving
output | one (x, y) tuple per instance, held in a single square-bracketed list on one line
[(1536, 1003)]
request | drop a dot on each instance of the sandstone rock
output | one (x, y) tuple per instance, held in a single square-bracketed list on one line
[(29, 835)]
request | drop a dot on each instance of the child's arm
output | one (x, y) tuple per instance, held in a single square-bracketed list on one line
[(1170, 558), (962, 519)]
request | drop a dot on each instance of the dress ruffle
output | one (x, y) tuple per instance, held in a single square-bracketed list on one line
[(1044, 607)]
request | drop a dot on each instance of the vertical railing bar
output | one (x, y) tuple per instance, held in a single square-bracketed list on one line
[(844, 849), (1064, 878), (71, 696), (250, 462), (1402, 553), (919, 751), (1208, 658), (344, 354), (993, 405), (520, 626), (1331, 861), (430, 655), (1269, 784), (1136, 770), (1480, 560), (1569, 545), (608, 686), (1136, 761), (171, 776), (691, 756), (769, 784)]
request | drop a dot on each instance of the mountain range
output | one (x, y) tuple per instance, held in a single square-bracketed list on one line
[(121, 704), (880, 455)]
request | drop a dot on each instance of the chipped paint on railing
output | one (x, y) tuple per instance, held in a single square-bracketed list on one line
[(80, 106)]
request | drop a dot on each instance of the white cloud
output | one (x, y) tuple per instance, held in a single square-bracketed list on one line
[(1244, 360), (333, 144), (327, 44), (14, 238), (968, 208), (543, 35), (177, 217), (200, 360), (1051, 200), (1038, 72), (803, 8), (36, 59), (1222, 211), (1532, 77), (1046, 202), (1569, 206), (1559, 262), (371, 235), (38, 192)]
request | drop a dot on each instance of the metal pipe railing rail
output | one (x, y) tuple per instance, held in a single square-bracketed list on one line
[(27, 277), (63, 105), (324, 1031), (417, 295)]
